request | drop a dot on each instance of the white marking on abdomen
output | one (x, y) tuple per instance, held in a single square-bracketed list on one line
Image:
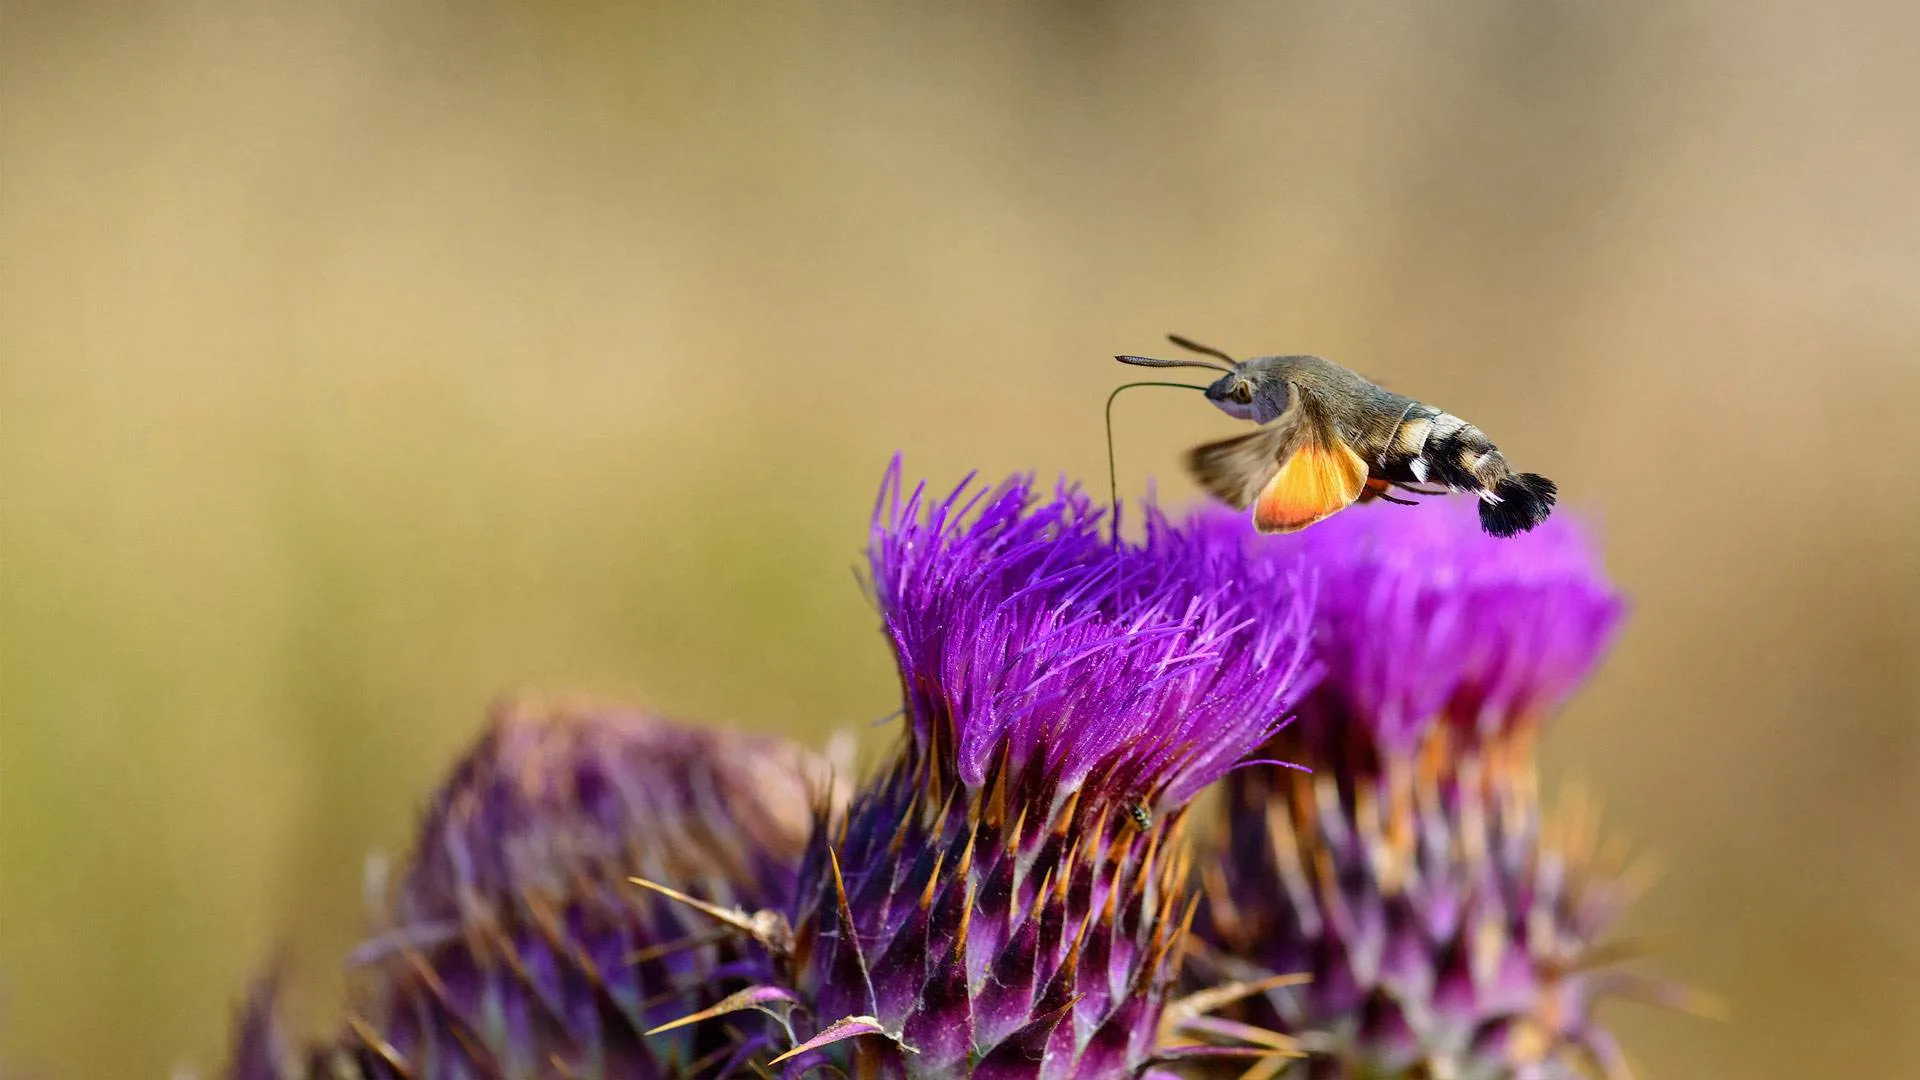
[(1445, 426), (1418, 466), (1412, 436)]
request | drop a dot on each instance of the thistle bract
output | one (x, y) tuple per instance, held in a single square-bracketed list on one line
[(1446, 924), (516, 946), (1007, 897)]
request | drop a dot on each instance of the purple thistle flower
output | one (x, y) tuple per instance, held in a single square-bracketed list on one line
[(1007, 899), (1427, 620), (516, 944), (1448, 927)]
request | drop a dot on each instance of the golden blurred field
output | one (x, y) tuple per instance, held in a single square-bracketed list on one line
[(364, 360)]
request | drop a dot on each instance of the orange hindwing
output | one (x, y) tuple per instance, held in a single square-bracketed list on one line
[(1322, 477)]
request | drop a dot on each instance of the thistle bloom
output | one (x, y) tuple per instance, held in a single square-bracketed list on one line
[(1446, 926), (1007, 899), (517, 947)]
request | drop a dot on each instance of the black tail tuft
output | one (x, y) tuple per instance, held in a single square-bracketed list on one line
[(1525, 501)]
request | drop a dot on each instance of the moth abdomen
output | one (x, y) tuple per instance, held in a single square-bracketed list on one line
[(1521, 501), (1460, 456)]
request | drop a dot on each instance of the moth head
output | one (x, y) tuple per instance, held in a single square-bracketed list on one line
[(1248, 393), (1253, 390)]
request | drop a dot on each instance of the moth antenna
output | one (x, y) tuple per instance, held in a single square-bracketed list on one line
[(1150, 361), (1191, 345), (1113, 475)]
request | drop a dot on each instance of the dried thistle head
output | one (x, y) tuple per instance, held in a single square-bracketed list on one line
[(554, 794), (515, 944)]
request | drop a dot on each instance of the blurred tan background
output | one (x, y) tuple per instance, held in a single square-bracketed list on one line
[(363, 360)]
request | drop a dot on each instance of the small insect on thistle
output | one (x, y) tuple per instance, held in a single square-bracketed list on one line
[(1141, 816), (1331, 438)]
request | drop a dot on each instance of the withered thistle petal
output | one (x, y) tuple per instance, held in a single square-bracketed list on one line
[(515, 943), (554, 793), (1003, 899), (261, 1049)]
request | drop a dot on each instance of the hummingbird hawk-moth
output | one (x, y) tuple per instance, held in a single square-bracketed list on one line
[(1330, 438)]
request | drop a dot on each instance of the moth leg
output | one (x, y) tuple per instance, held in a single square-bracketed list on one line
[(1375, 488)]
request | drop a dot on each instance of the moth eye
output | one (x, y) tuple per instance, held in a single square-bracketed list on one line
[(1243, 394)]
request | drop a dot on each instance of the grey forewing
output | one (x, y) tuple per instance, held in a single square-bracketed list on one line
[(1367, 414)]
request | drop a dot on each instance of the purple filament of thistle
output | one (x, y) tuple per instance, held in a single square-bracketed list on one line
[(1423, 616), (1022, 627)]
